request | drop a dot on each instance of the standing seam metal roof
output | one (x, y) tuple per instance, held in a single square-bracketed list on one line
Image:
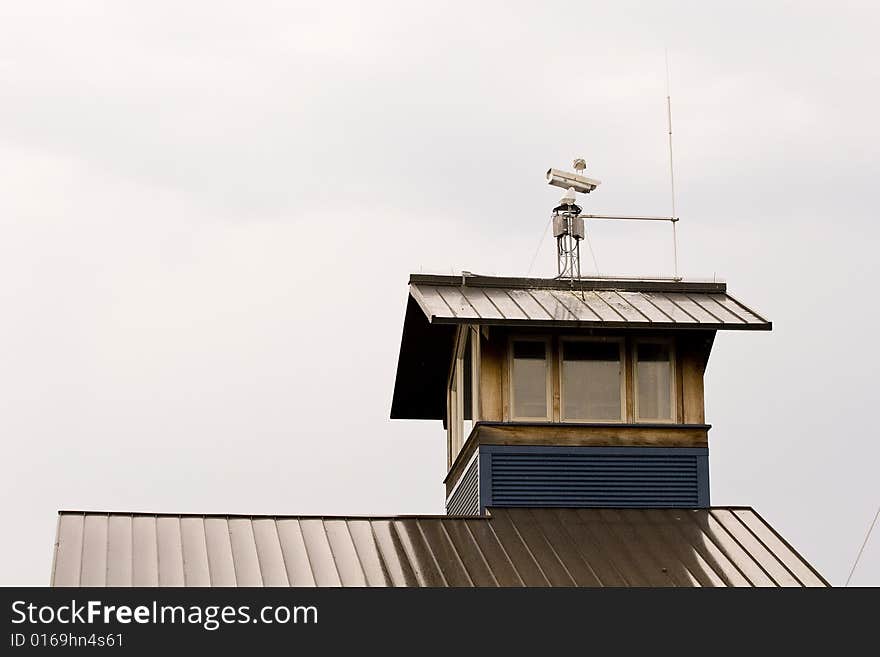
[(724, 546), (600, 302)]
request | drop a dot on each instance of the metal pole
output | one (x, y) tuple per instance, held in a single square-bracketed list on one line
[(628, 217), (671, 171)]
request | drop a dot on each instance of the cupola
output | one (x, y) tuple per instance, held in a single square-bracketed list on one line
[(568, 392)]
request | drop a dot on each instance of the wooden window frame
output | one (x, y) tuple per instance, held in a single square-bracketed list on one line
[(673, 377), (455, 387), (621, 343), (548, 389)]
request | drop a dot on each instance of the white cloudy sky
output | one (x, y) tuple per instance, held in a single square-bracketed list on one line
[(208, 212)]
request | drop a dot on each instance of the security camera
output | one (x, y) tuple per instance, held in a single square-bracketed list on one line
[(566, 179)]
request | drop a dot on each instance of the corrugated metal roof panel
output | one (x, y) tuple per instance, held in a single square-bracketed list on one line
[(599, 302), (723, 546)]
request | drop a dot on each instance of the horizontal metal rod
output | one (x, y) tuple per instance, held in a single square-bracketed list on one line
[(620, 216)]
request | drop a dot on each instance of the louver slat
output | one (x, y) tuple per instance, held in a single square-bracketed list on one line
[(465, 499), (591, 479)]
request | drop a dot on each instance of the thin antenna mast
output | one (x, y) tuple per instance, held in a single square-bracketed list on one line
[(671, 171)]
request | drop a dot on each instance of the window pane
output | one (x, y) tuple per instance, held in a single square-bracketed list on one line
[(591, 374), (654, 381), (467, 368), (529, 379)]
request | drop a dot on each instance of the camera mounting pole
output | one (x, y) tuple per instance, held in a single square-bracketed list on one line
[(568, 222)]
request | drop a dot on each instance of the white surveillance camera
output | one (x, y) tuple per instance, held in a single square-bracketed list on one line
[(566, 180)]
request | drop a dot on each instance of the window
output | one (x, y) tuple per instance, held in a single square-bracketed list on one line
[(466, 367), (529, 379), (591, 376), (462, 401), (654, 381)]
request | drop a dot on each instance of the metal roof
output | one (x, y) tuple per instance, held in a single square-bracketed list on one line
[(724, 546), (604, 303)]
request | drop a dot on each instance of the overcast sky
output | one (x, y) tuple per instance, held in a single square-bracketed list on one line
[(208, 212)]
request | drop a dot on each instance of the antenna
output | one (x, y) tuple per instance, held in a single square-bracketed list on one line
[(671, 170), (568, 222)]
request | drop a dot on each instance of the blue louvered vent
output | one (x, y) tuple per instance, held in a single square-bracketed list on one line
[(651, 477), (465, 499)]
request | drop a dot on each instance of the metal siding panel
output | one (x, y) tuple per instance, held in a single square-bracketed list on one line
[(444, 553), (686, 535), (599, 308), (296, 557), (510, 547), (244, 553), (738, 309), (592, 549), (465, 499), (576, 305), (629, 312), (119, 550), (504, 303), (344, 553), (394, 554), (68, 552), (467, 551), (627, 560), (695, 310), (169, 551), (431, 302), (708, 303), (646, 526), (481, 302), (94, 551), (557, 309), (637, 300), (768, 561), (196, 571), (792, 560), (510, 522), (615, 526), (528, 305), (458, 303), (368, 553), (419, 555), (320, 554), (145, 553), (497, 559), (524, 563), (720, 537), (676, 314), (579, 568), (655, 304), (219, 550), (269, 553)]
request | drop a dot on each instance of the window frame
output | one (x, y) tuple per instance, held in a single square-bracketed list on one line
[(548, 387), (673, 373), (455, 389), (621, 342)]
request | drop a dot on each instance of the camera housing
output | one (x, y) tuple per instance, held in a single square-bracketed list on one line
[(566, 179)]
